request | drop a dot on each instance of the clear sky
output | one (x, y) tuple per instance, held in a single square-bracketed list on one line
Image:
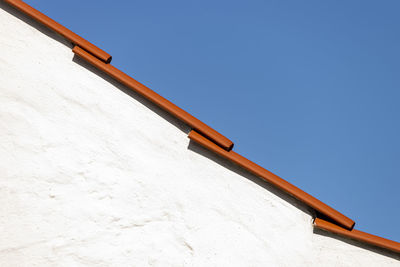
[(308, 89)]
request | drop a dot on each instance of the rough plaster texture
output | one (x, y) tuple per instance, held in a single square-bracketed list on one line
[(91, 175)]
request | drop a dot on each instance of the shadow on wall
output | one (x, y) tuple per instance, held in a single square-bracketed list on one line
[(46, 31), (288, 198), (186, 129), (150, 105), (359, 244), (193, 146), (33, 23)]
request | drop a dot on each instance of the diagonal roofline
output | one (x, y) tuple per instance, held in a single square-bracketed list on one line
[(275, 180), (357, 235), (206, 136), (60, 29)]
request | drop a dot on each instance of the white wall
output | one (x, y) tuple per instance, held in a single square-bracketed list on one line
[(91, 176)]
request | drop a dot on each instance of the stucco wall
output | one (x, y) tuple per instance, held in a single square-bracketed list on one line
[(91, 175)]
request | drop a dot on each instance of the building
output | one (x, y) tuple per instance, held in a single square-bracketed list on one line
[(97, 170)]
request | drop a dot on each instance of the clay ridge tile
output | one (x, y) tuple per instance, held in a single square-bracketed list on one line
[(275, 180), (165, 104), (358, 235), (58, 28)]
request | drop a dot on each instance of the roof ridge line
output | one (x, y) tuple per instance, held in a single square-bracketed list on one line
[(275, 180), (157, 99), (60, 29), (357, 235)]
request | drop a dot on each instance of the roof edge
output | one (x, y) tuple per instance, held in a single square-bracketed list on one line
[(358, 235), (157, 99), (275, 180), (60, 29)]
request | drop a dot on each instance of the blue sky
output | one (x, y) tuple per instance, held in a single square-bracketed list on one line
[(308, 89)]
